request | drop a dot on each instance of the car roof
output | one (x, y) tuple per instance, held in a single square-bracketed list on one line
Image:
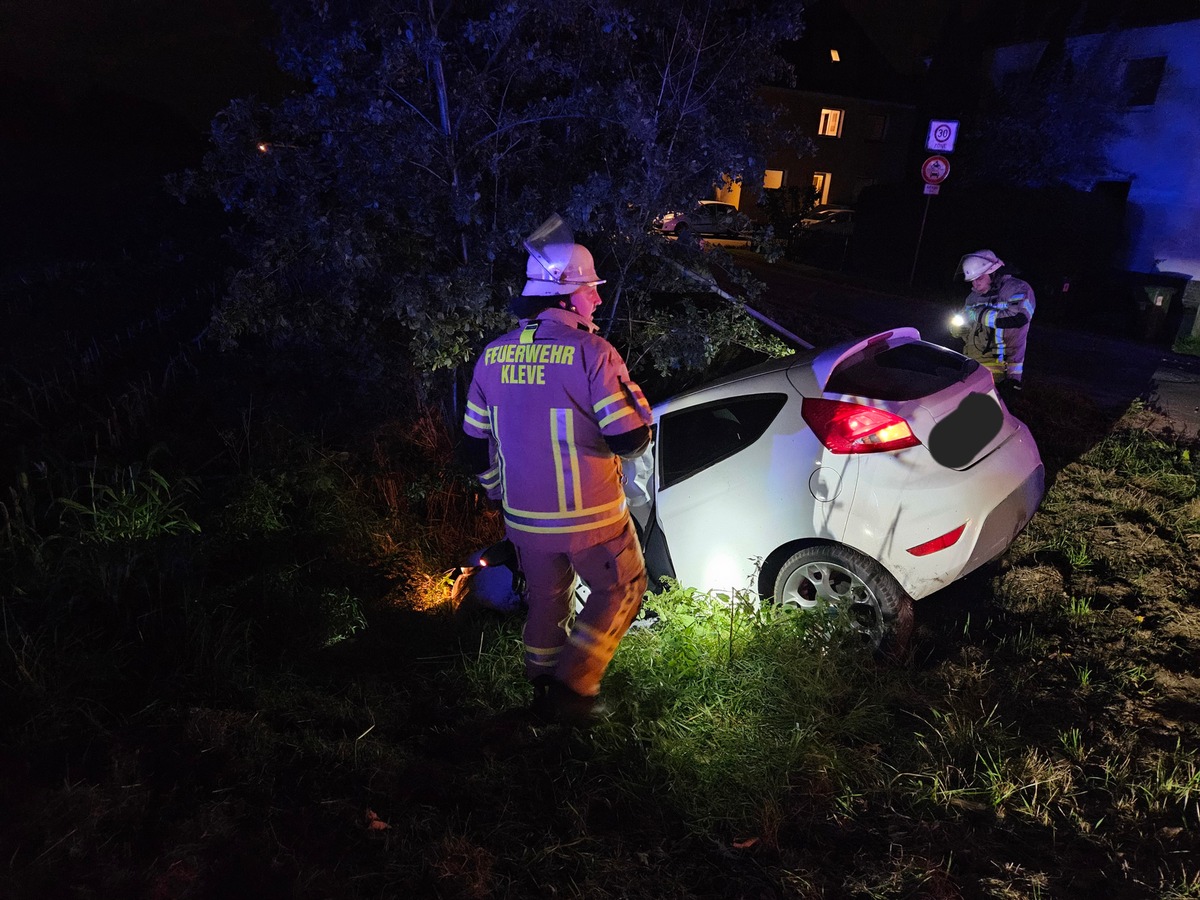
[(759, 370)]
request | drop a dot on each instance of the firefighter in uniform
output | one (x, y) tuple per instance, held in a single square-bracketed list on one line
[(551, 413), (994, 322)]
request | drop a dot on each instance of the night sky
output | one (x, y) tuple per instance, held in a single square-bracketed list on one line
[(190, 57)]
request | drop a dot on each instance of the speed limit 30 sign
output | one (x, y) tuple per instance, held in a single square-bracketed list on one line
[(941, 136)]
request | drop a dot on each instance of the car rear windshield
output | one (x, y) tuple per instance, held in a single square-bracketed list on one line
[(912, 370)]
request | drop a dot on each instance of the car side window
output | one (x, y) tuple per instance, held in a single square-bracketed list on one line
[(691, 440)]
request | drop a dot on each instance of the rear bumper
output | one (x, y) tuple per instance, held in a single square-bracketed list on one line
[(1007, 520), (994, 500)]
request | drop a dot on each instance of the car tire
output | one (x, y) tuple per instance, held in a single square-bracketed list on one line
[(841, 579)]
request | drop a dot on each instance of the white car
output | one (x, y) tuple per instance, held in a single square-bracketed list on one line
[(852, 477), (710, 217)]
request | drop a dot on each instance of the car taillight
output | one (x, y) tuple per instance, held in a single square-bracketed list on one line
[(853, 428)]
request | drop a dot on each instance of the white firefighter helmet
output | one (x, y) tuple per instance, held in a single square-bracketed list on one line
[(557, 265), (567, 268), (980, 263)]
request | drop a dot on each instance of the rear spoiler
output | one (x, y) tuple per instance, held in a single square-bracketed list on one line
[(828, 360)]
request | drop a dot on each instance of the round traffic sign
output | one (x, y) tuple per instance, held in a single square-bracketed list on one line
[(935, 169)]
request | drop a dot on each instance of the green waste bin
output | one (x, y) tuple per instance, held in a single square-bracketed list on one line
[(1152, 312), (1159, 306)]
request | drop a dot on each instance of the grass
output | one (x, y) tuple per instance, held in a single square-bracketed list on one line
[(231, 667), (1186, 342), (1189, 346)]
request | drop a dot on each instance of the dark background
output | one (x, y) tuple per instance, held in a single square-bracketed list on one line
[(100, 100)]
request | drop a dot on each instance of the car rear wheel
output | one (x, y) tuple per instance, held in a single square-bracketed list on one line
[(840, 580)]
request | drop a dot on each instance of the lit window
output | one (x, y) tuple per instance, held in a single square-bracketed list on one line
[(831, 123), (773, 179), (876, 127), (1142, 79), (820, 183), (834, 55)]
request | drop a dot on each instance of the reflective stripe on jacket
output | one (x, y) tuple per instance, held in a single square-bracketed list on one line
[(546, 395)]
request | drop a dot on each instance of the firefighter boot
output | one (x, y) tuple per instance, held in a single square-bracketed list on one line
[(553, 701), (1009, 390)]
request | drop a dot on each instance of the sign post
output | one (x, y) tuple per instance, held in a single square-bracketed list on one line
[(933, 172)]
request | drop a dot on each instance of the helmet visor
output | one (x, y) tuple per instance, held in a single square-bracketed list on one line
[(978, 264), (545, 240)]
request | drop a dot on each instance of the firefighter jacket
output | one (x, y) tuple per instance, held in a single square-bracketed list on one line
[(552, 398), (998, 324)]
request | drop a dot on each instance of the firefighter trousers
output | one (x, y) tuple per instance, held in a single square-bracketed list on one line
[(576, 648), (1003, 357)]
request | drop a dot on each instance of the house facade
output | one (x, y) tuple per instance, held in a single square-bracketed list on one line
[(850, 107), (857, 142), (1156, 161)]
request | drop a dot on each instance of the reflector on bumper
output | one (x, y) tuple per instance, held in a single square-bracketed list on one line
[(938, 543)]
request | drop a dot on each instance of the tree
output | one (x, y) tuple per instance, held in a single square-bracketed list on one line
[(381, 207)]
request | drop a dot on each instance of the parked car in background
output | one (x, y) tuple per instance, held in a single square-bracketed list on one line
[(836, 480), (834, 220), (708, 217), (822, 237)]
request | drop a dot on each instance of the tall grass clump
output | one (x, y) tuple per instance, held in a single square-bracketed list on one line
[(102, 610), (293, 543), (85, 543), (755, 713), (1142, 452), (741, 716)]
